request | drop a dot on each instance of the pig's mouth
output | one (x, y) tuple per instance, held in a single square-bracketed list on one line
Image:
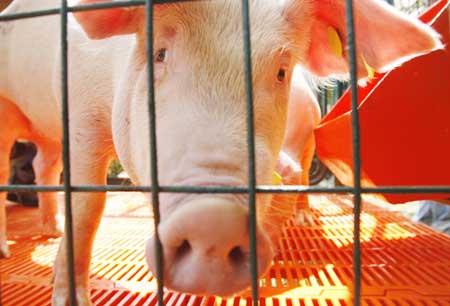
[(205, 242)]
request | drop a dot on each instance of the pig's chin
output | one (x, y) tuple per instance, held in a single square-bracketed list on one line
[(205, 243)]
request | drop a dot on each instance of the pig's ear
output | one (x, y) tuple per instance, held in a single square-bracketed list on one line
[(385, 37), (104, 23)]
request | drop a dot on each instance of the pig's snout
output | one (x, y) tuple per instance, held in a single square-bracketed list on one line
[(206, 248)]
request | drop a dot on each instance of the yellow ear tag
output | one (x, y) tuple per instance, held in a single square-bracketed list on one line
[(335, 41), (370, 70), (277, 179)]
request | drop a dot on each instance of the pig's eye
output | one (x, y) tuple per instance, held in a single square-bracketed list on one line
[(161, 55), (281, 75)]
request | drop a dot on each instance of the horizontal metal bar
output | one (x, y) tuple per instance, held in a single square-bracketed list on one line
[(76, 8), (174, 189), (230, 189), (84, 7), (23, 15), (406, 189)]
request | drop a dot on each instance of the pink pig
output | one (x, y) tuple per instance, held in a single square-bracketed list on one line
[(200, 108)]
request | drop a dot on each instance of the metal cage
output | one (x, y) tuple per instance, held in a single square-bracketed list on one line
[(252, 189)]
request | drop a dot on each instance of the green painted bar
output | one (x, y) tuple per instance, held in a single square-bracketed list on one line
[(66, 155), (251, 151), (351, 45), (153, 156)]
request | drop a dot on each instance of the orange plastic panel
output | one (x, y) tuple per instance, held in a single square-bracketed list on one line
[(405, 124), (403, 263)]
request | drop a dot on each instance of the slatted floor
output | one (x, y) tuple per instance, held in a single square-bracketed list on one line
[(403, 263)]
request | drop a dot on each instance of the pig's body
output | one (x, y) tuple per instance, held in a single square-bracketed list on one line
[(31, 70), (200, 110), (30, 97)]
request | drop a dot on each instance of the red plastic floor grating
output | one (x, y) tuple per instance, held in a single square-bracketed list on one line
[(403, 263)]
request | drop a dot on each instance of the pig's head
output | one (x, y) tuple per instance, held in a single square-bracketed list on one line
[(201, 116)]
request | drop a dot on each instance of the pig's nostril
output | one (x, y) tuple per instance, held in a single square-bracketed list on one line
[(183, 249), (236, 255)]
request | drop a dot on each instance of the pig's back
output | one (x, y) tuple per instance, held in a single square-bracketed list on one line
[(28, 55), (30, 69)]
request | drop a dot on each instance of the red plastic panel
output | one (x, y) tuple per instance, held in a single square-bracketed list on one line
[(404, 121)]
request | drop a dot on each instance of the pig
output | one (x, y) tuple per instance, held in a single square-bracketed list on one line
[(295, 158), (200, 109), (47, 163)]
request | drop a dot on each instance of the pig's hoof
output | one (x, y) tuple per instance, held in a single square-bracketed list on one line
[(4, 250), (304, 219), (51, 232), (53, 229), (61, 297)]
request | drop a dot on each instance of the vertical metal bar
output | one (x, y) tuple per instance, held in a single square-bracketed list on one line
[(251, 151), (66, 155), (1, 284), (323, 101), (153, 154), (356, 152), (340, 89)]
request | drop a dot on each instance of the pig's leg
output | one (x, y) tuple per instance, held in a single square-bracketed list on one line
[(5, 148), (303, 211), (12, 125), (303, 116), (47, 166), (89, 164)]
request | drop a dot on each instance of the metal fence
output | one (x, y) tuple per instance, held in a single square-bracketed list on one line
[(252, 189), (413, 7)]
